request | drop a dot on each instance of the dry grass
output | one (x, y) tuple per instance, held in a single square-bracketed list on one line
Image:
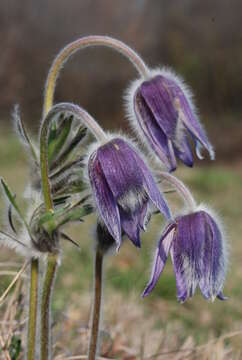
[(127, 332)]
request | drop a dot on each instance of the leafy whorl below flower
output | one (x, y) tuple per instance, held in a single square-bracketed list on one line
[(198, 256), (123, 187), (165, 114)]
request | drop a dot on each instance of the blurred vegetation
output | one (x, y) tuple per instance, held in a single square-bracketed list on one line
[(127, 272), (201, 40)]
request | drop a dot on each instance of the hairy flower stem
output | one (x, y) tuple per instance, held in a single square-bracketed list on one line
[(96, 310), (33, 307), (180, 188), (82, 43), (49, 279), (52, 260), (48, 114)]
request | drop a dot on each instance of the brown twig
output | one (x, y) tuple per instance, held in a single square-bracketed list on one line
[(96, 311)]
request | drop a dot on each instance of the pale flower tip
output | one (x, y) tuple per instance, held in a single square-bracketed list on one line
[(145, 293), (221, 297), (118, 248), (212, 154), (199, 151), (172, 169)]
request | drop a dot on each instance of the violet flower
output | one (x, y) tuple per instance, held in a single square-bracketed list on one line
[(197, 250), (165, 114), (123, 188)]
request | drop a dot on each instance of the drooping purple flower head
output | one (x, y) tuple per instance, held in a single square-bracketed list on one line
[(163, 109), (123, 188), (197, 251)]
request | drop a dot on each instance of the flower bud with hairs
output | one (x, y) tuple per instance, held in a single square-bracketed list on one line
[(123, 188), (161, 108), (197, 244)]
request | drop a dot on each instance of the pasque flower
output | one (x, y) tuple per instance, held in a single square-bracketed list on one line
[(123, 188), (162, 108), (197, 250)]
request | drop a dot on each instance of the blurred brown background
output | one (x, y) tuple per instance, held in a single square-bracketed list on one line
[(201, 40)]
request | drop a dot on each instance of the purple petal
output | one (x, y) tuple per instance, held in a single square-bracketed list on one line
[(152, 189), (161, 105), (213, 262), (221, 296), (144, 216), (161, 256), (186, 254), (192, 124), (187, 114), (105, 201), (183, 151), (172, 155), (154, 133), (119, 167), (159, 98), (130, 225), (125, 170)]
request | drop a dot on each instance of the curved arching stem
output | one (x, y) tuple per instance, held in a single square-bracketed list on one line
[(82, 43), (181, 188), (80, 114), (48, 113)]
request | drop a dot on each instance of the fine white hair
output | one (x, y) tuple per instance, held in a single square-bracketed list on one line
[(131, 198), (218, 220), (129, 99), (225, 251)]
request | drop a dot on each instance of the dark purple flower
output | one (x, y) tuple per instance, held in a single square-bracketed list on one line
[(198, 256), (166, 116), (123, 188)]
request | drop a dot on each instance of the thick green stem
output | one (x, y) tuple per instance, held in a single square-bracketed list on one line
[(33, 306), (45, 330), (96, 311)]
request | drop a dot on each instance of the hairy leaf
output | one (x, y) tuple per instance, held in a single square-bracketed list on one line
[(58, 138), (63, 156), (13, 202), (9, 238), (20, 127), (66, 237), (10, 218)]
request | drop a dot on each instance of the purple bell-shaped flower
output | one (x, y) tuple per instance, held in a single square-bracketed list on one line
[(161, 107), (123, 188), (198, 254)]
